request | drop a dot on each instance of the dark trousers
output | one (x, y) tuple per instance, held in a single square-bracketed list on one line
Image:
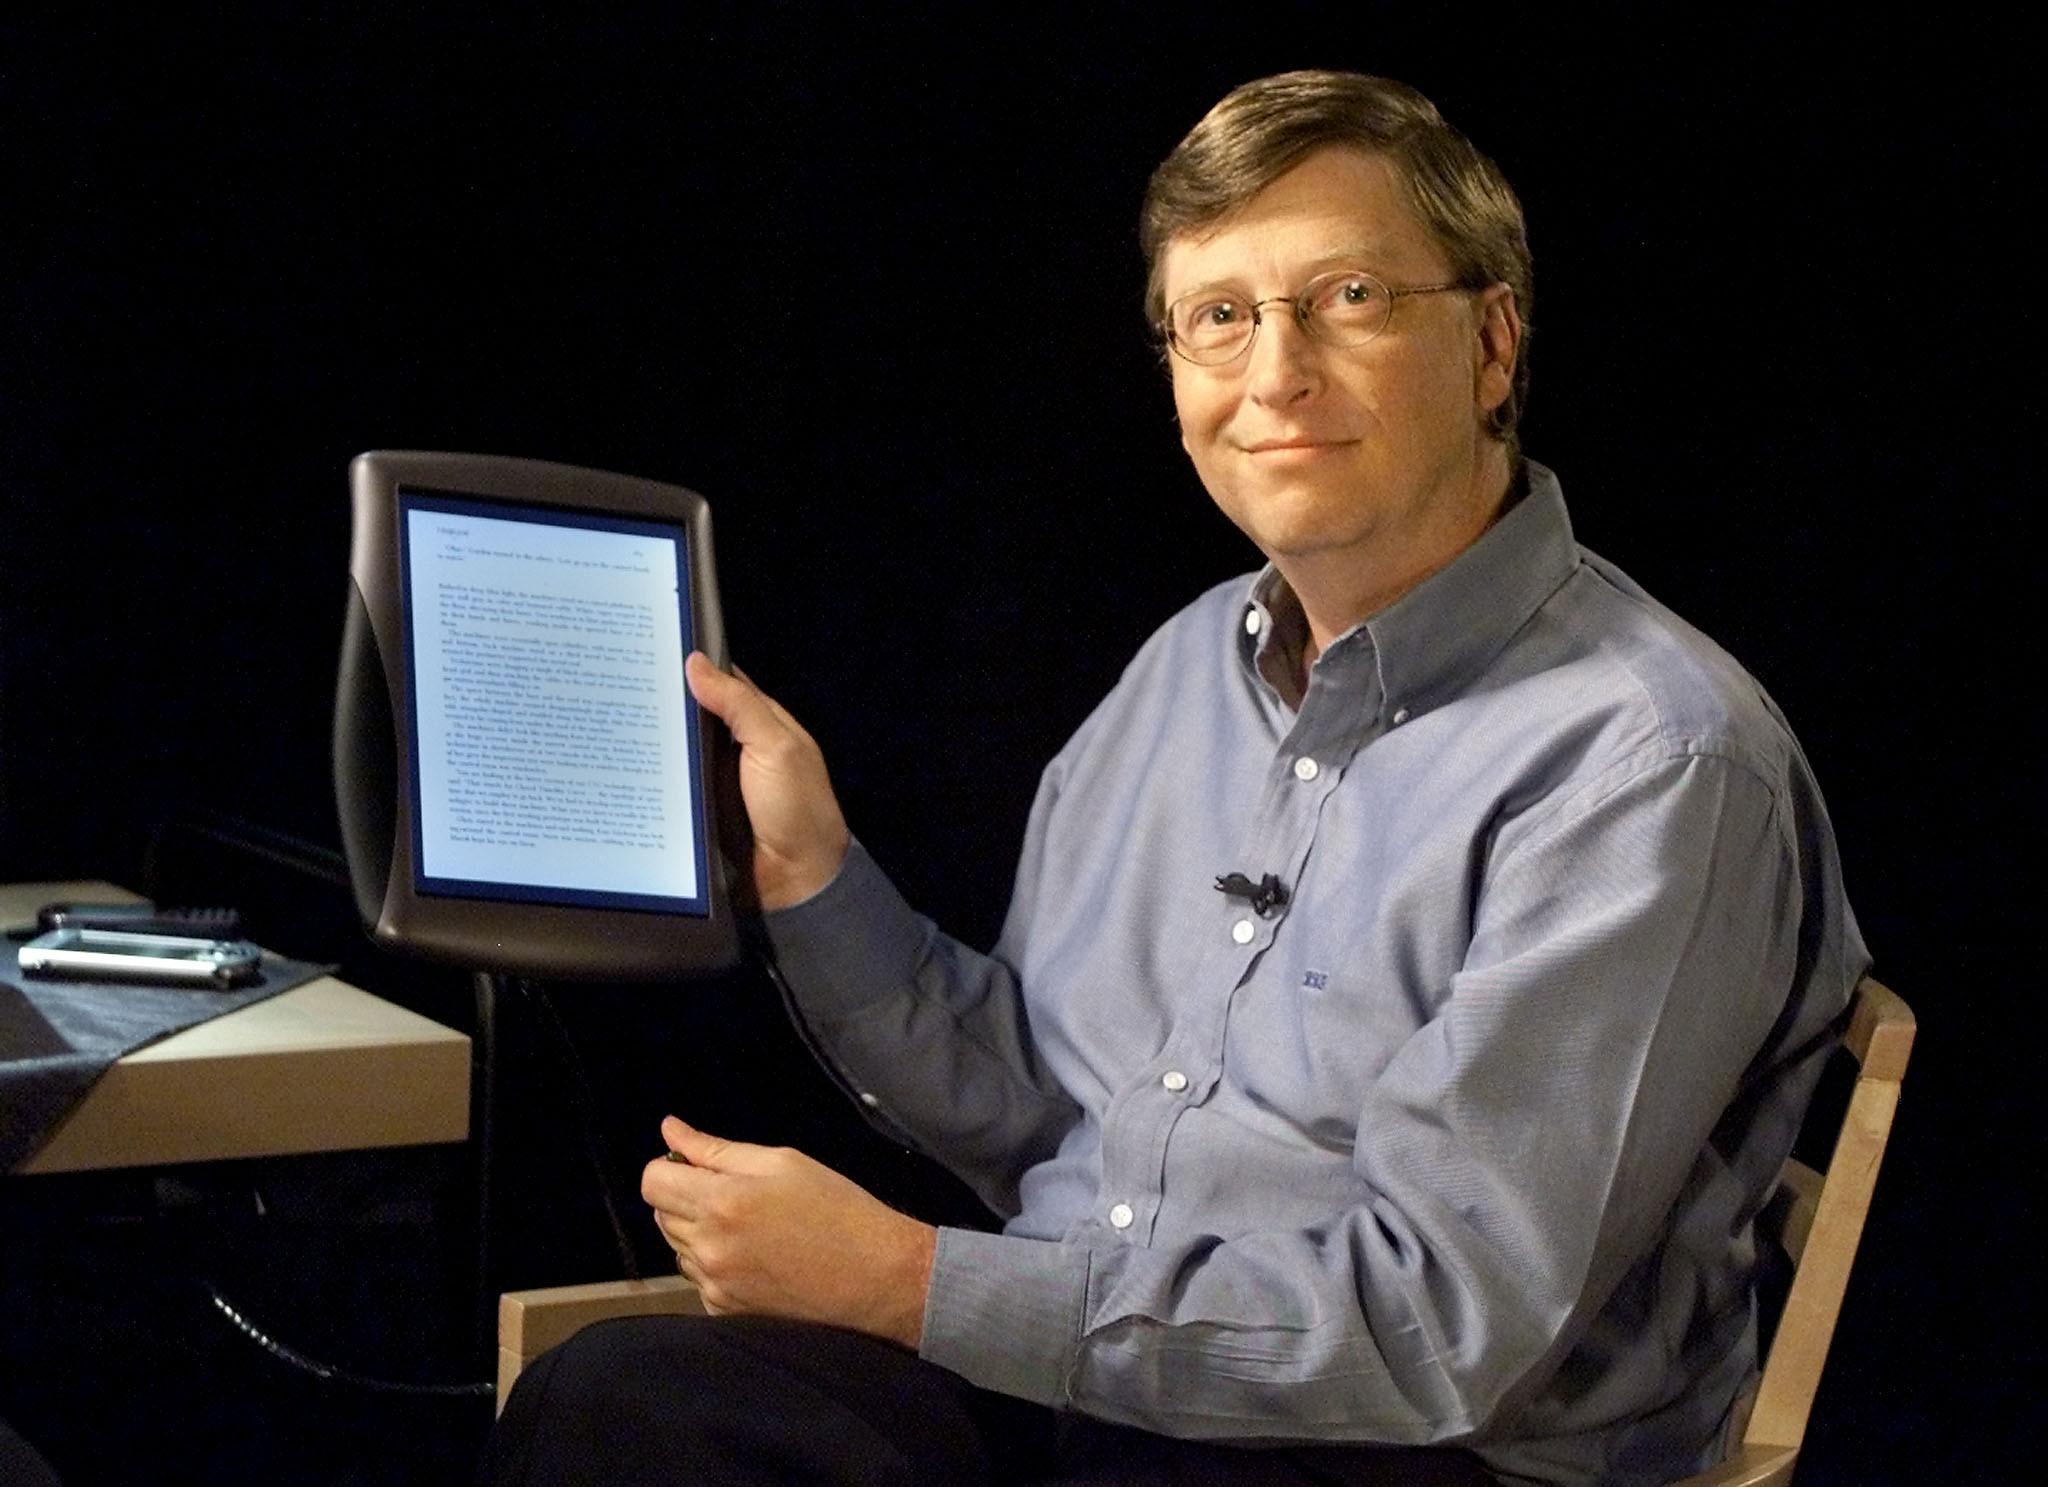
[(718, 1401)]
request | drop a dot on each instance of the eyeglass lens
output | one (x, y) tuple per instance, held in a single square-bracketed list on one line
[(1345, 308)]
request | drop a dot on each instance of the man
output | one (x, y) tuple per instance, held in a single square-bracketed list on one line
[(1432, 1140)]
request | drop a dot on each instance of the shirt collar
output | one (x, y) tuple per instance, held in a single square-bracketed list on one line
[(1427, 645)]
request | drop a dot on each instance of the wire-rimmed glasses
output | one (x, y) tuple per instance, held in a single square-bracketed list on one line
[(1346, 307)]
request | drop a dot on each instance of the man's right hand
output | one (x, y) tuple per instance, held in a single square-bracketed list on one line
[(800, 836)]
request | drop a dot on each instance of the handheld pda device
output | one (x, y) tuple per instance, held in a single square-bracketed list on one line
[(120, 955), (525, 784)]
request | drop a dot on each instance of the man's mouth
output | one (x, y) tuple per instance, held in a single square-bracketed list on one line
[(1301, 443)]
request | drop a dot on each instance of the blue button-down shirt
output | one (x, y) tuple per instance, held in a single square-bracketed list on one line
[(1462, 1140)]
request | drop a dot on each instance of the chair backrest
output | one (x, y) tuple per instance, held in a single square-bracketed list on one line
[(1818, 1220)]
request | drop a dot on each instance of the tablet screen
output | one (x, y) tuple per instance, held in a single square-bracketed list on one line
[(553, 737)]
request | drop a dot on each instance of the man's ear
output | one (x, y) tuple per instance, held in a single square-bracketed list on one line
[(1499, 337)]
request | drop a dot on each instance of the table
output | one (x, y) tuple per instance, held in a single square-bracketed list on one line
[(323, 1067)]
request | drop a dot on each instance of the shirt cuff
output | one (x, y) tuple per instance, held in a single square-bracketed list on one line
[(853, 942), (1005, 1313)]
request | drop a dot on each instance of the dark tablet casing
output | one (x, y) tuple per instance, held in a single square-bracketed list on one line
[(375, 778)]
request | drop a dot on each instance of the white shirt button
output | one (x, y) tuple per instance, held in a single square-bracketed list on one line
[(1400, 716), (1251, 622), (1174, 1080), (1120, 1216), (869, 1100), (1243, 930), (1305, 769)]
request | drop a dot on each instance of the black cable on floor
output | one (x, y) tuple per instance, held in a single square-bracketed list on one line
[(293, 1358), (170, 1242)]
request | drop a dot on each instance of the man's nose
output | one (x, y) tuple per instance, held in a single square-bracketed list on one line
[(1285, 364)]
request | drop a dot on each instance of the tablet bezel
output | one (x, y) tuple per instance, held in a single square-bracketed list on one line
[(375, 776)]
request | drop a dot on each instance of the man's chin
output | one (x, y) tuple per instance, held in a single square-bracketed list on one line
[(1306, 543), (1298, 522)]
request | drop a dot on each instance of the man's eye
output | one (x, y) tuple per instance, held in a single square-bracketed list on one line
[(1350, 294), (1210, 322)]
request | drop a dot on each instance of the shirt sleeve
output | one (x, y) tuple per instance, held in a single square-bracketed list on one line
[(1526, 1149), (930, 1034)]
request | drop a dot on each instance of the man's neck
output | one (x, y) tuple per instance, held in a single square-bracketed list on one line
[(1339, 589)]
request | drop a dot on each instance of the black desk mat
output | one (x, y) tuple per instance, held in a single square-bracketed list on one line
[(58, 1037)]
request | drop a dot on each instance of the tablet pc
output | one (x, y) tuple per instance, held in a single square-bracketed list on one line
[(525, 784)]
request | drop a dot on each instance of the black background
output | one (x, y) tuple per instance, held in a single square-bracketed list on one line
[(870, 283)]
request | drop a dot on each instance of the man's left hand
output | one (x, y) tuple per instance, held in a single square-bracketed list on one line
[(766, 1230)]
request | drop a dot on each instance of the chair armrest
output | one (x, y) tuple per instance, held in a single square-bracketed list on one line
[(1751, 1466), (531, 1322)]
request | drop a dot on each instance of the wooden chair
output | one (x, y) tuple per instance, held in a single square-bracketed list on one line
[(1816, 1218), (531, 1322)]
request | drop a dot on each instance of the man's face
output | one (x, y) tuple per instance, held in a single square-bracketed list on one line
[(1334, 457)]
